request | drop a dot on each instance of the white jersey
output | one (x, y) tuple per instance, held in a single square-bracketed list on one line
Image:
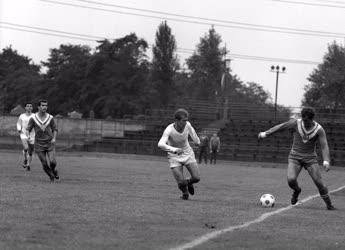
[(171, 139), (22, 125)]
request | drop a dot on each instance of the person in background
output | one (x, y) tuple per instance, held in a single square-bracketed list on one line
[(214, 148), (203, 148)]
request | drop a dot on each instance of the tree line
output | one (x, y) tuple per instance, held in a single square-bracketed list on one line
[(117, 78)]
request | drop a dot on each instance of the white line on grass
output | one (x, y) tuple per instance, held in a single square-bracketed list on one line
[(206, 237)]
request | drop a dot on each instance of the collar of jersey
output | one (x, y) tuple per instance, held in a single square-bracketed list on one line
[(307, 134), (42, 124)]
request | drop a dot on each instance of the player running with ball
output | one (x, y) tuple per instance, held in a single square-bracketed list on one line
[(306, 133), (180, 154)]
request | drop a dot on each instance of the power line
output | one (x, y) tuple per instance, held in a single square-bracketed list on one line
[(236, 25), (330, 1), (51, 30), (310, 4), (84, 37), (46, 33), (202, 18)]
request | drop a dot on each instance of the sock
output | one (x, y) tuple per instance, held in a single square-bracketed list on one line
[(183, 186), (326, 199)]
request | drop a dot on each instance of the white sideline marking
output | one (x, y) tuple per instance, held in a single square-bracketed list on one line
[(214, 234)]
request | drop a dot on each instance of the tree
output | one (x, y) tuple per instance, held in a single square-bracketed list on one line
[(65, 78), (253, 93), (206, 66), (164, 65), (118, 73), (327, 83), (19, 79)]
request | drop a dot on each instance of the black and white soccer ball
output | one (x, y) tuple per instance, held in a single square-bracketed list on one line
[(267, 200)]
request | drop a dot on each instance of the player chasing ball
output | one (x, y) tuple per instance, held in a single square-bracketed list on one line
[(180, 154), (306, 133), (27, 139)]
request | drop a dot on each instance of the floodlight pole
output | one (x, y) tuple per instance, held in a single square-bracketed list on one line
[(226, 81), (277, 70)]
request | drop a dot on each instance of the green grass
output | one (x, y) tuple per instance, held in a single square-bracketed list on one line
[(108, 201)]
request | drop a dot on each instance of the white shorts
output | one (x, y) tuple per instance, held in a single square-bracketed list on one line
[(24, 137), (180, 160)]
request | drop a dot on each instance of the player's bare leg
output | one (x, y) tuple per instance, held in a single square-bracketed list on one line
[(181, 182), (314, 172), (294, 168), (25, 152), (193, 169), (30, 151)]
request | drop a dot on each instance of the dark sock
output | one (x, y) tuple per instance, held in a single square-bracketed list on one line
[(327, 199)]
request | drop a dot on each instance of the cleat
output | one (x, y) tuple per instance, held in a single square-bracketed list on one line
[(28, 168), (56, 175), (24, 165), (51, 178), (190, 189), (184, 196), (294, 197), (331, 207)]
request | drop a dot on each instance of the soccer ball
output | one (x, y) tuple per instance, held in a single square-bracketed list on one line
[(267, 200)]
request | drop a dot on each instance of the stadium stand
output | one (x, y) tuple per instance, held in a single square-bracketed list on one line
[(238, 133)]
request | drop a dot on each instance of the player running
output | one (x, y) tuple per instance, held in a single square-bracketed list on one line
[(306, 133), (46, 131), (180, 154), (27, 139)]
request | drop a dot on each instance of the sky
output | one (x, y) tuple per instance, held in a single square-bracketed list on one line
[(258, 33)]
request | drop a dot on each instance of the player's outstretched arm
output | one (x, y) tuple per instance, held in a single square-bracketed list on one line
[(324, 149), (278, 128)]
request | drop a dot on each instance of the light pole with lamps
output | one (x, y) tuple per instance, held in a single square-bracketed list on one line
[(277, 70)]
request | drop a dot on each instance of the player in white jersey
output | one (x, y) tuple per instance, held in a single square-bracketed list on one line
[(306, 133), (180, 154), (27, 139)]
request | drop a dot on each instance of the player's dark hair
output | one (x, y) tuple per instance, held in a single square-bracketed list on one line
[(42, 100), (308, 112), (26, 103), (181, 113)]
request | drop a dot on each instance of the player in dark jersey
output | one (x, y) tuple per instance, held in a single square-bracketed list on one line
[(46, 131), (306, 133)]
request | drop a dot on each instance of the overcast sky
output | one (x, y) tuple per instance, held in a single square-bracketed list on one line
[(258, 33)]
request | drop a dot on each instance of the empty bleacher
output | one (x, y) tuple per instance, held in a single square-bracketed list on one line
[(238, 136)]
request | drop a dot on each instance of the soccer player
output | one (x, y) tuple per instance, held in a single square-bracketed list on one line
[(306, 133), (180, 154), (46, 131), (26, 138)]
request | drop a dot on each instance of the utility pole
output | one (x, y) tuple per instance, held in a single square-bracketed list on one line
[(277, 70)]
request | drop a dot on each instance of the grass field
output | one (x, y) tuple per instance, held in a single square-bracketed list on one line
[(108, 201)]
